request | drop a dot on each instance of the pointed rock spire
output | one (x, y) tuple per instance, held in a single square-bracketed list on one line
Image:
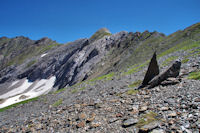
[(152, 71)]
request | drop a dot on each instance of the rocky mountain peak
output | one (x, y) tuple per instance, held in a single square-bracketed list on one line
[(44, 40), (99, 34), (105, 30)]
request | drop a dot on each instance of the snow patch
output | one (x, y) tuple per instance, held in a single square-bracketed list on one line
[(43, 55), (17, 90), (40, 87), (14, 83)]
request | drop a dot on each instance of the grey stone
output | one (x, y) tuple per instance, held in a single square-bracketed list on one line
[(153, 70), (158, 131), (150, 126), (129, 122), (172, 71)]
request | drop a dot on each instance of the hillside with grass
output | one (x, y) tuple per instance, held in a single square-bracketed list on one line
[(95, 83)]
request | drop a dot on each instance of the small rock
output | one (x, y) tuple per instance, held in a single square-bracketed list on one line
[(77, 105), (197, 99), (119, 115), (112, 120), (171, 122), (184, 106), (157, 89), (95, 124), (174, 127), (38, 126), (173, 114), (143, 108), (186, 125), (129, 122), (149, 126), (91, 118), (23, 97), (146, 96), (82, 116), (193, 126), (186, 130), (80, 124), (194, 106), (158, 131), (190, 115), (170, 81), (164, 108)]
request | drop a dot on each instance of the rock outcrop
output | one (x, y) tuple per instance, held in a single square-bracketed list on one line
[(153, 78), (152, 71), (171, 72)]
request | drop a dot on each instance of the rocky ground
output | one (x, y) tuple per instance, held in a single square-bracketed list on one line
[(112, 106)]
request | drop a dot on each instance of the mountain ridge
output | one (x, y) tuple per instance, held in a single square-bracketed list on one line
[(90, 86)]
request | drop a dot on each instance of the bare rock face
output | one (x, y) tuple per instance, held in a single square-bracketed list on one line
[(152, 71), (68, 63)]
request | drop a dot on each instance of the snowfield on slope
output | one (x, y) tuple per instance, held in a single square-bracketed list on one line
[(27, 90)]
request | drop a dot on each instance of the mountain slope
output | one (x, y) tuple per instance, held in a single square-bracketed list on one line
[(107, 68), (84, 58)]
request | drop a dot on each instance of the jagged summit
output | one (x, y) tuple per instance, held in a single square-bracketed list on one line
[(99, 34)]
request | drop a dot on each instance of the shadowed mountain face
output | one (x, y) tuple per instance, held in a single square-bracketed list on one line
[(83, 59)]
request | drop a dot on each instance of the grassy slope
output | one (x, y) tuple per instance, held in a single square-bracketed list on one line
[(133, 57), (22, 52)]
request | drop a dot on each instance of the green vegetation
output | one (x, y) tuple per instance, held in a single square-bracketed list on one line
[(146, 119), (141, 52), (44, 99), (27, 53), (195, 50), (132, 92), (4, 40), (57, 103), (99, 34), (194, 75), (74, 90), (136, 69), (186, 45), (59, 90), (77, 84), (48, 47), (135, 84), (30, 63), (168, 60), (90, 83), (17, 104), (104, 77), (82, 88), (185, 60)]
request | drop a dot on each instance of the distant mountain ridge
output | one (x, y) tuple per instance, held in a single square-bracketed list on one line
[(83, 59), (102, 83)]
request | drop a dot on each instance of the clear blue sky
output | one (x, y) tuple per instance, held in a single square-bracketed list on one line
[(68, 20)]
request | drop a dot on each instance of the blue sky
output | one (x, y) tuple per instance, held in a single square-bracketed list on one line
[(68, 20)]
